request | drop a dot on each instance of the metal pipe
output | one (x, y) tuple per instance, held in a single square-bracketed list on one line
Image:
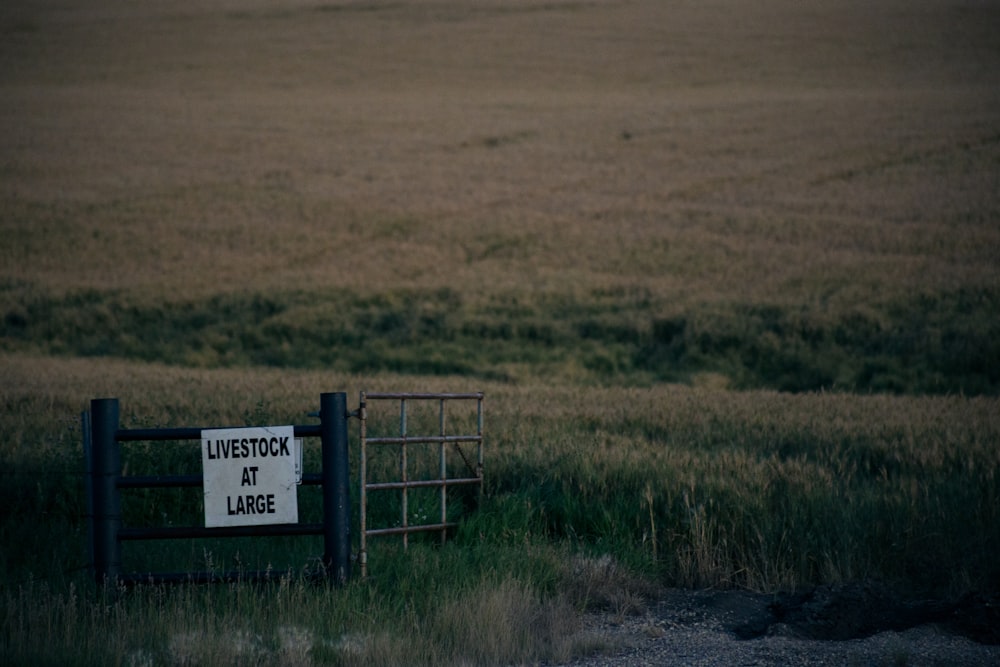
[(423, 439), (336, 492), (443, 472), (88, 480), (160, 481), (402, 468), (194, 433), (374, 395), (479, 432), (422, 483), (195, 532), (106, 468), (405, 530), (363, 497), (232, 576)]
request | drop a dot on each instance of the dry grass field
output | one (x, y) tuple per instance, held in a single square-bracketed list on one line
[(805, 151), (588, 174), (727, 271)]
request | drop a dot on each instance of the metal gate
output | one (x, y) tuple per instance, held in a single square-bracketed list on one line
[(416, 470), (106, 479), (472, 474)]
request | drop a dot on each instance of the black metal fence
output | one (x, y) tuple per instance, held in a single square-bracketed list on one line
[(102, 448)]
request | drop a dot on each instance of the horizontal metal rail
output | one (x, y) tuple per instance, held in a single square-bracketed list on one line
[(399, 395), (404, 530), (424, 439), (159, 481), (228, 577), (419, 483), (180, 532), (194, 433)]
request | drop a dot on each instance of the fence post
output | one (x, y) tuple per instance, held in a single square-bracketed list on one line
[(336, 492), (106, 468)]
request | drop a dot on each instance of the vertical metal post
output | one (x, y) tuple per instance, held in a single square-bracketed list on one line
[(336, 492), (479, 456), (443, 472), (363, 496), (106, 468), (402, 471), (88, 480)]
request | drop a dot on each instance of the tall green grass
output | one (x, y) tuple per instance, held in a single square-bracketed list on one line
[(595, 497), (492, 618)]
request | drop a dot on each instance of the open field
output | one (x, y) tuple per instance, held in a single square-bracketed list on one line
[(803, 197), (727, 272)]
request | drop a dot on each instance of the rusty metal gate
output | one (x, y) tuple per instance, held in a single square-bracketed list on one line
[(471, 473)]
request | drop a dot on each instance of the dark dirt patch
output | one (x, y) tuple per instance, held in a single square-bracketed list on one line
[(845, 611)]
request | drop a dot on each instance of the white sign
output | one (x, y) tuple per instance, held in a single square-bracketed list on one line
[(249, 476)]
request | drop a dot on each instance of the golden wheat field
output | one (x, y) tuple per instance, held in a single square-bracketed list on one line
[(806, 151)]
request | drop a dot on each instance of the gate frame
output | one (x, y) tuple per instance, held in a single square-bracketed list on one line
[(403, 440), (102, 449)]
